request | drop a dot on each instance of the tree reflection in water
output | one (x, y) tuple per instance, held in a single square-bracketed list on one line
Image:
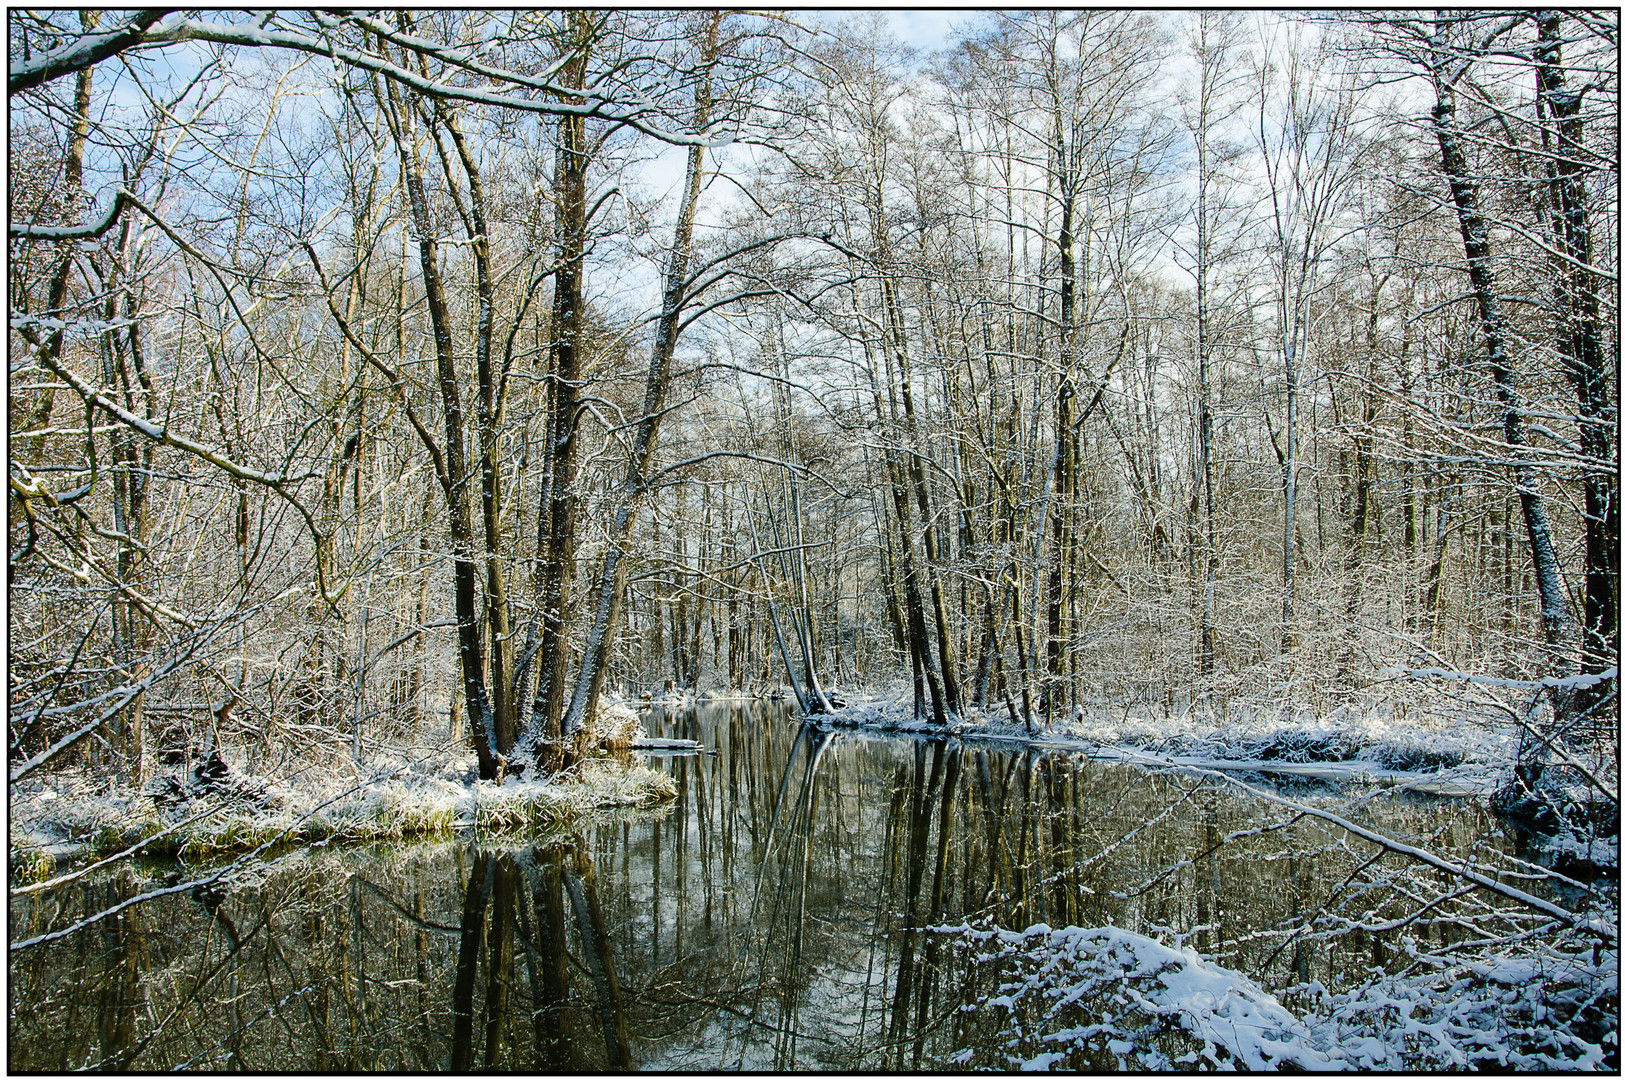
[(546, 896), (779, 916)]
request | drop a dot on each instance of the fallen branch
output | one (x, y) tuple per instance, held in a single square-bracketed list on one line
[(1545, 907)]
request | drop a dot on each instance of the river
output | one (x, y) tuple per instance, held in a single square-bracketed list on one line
[(776, 917)]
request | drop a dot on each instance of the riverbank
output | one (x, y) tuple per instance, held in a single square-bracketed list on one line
[(1106, 998), (1547, 1000), (1463, 758), (1460, 755), (61, 820)]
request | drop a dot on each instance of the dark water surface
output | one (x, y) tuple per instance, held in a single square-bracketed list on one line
[(773, 919)]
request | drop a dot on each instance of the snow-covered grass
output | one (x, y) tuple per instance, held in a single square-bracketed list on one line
[(61, 818), (1107, 998)]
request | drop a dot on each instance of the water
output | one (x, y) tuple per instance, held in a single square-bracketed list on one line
[(776, 918)]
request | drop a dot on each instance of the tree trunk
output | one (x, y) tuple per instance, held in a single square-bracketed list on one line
[(1577, 290), (557, 558), (945, 672), (39, 413), (488, 419), (610, 590), (465, 573), (1554, 614)]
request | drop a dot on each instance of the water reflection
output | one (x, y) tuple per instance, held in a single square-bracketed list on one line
[(778, 917)]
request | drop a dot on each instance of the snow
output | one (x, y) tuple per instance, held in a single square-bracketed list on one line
[(60, 817), (1140, 1001), (1567, 849), (1572, 682), (1365, 746), (1543, 1005), (1092, 997)]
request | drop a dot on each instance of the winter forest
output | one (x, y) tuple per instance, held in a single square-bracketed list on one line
[(413, 414)]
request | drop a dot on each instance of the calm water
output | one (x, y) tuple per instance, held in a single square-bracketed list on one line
[(773, 919)]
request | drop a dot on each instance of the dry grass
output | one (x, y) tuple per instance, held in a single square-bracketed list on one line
[(61, 820)]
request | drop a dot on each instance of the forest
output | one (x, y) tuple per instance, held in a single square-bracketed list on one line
[(394, 383)]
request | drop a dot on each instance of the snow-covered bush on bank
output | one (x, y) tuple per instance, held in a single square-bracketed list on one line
[(1538, 1005), (1105, 998)]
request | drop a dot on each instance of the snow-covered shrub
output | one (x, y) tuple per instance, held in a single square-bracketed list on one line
[(1105, 998), (1542, 1006)]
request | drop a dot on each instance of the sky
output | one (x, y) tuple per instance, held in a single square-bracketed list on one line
[(927, 29)]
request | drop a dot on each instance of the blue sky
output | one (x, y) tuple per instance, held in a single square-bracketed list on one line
[(926, 29)]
